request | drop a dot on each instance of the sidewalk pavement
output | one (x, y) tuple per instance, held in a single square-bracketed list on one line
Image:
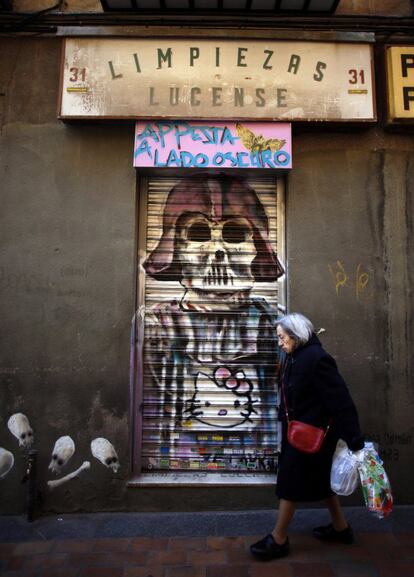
[(202, 544)]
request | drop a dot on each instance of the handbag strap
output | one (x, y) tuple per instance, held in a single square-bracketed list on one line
[(283, 392), (287, 408), (284, 399)]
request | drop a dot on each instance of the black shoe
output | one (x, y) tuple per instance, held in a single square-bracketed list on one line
[(267, 549), (329, 534)]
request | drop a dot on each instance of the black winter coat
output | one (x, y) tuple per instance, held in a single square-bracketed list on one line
[(315, 393)]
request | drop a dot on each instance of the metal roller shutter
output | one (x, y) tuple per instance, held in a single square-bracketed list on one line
[(208, 376)]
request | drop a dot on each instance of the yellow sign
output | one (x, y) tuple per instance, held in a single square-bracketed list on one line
[(400, 85), (216, 79)]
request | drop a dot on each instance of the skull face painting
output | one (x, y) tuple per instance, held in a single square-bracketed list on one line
[(210, 355), (217, 199), (215, 255)]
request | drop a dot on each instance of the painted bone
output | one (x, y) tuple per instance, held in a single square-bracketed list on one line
[(53, 484)]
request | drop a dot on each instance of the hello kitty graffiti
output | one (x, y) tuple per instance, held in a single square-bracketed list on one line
[(236, 403), (211, 354)]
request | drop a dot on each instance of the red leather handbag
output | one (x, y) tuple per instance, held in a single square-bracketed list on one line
[(304, 437)]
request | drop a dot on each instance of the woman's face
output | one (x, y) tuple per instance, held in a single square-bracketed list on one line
[(286, 343)]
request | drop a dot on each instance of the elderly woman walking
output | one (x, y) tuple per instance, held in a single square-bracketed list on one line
[(312, 391)]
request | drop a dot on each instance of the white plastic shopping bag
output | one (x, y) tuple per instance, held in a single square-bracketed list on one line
[(344, 471)]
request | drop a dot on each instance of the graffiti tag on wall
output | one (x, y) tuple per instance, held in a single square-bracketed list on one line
[(202, 145), (359, 281)]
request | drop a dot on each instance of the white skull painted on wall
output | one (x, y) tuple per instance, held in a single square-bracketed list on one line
[(62, 452), (19, 426), (105, 452), (215, 255), (6, 462)]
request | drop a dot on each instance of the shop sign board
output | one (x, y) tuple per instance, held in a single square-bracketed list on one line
[(182, 144), (400, 83), (206, 79)]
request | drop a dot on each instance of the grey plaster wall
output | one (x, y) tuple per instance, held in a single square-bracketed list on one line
[(67, 236)]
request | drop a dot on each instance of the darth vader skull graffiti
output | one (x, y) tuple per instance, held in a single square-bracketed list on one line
[(214, 230), (215, 255)]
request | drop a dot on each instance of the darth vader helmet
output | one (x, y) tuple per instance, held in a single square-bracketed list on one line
[(216, 229)]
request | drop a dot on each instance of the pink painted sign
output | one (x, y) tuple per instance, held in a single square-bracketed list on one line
[(181, 144)]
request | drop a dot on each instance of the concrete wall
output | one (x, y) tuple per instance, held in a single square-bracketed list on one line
[(67, 232)]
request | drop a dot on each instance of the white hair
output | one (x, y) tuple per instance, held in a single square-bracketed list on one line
[(296, 326)]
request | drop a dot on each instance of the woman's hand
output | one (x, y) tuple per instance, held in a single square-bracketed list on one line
[(359, 455)]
